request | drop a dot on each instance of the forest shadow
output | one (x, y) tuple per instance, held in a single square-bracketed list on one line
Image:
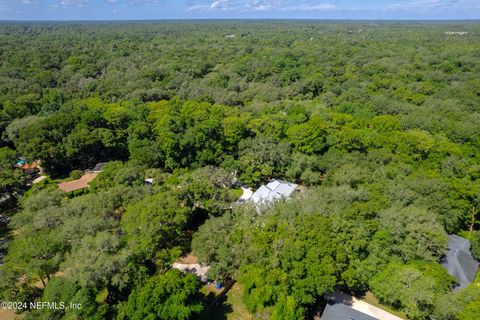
[(216, 310), (5, 233)]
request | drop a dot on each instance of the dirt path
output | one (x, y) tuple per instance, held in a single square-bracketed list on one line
[(8, 315)]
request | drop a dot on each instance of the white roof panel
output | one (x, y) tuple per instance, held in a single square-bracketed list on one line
[(274, 190), (262, 194), (273, 184), (286, 189)]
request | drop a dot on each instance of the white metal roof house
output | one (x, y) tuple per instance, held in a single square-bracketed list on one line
[(275, 190)]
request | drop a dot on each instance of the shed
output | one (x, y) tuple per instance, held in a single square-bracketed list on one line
[(459, 261)]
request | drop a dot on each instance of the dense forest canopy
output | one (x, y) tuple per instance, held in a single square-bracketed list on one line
[(378, 121)]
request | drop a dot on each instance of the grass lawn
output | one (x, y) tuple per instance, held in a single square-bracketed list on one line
[(230, 308), (234, 299), (370, 298), (237, 193), (209, 290)]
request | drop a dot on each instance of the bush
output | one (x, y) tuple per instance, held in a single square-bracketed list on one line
[(475, 240), (76, 174)]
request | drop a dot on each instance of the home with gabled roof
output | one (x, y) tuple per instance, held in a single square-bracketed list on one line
[(275, 190)]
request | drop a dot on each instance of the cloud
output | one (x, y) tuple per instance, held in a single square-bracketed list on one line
[(216, 5), (73, 3), (262, 5), (132, 3), (85, 3), (141, 1), (29, 1), (434, 5), (311, 7), (9, 10), (219, 4)]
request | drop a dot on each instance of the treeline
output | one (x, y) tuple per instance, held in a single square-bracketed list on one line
[(363, 68)]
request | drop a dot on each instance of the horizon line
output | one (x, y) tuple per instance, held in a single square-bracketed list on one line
[(241, 19)]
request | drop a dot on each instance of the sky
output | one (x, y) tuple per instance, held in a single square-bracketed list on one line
[(237, 9)]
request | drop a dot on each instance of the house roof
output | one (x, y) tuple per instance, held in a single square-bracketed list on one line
[(99, 166), (79, 184), (340, 311), (30, 166), (275, 190), (459, 261), (342, 306)]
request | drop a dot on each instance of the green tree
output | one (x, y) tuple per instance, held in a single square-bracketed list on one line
[(453, 305), (116, 173), (37, 255), (471, 311), (475, 240), (261, 158), (308, 137), (416, 233), (12, 180), (155, 225), (172, 295), (410, 288), (59, 290)]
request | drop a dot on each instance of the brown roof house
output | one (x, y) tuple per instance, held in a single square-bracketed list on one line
[(79, 184)]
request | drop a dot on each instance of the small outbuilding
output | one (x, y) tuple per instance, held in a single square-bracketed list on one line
[(459, 261)]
